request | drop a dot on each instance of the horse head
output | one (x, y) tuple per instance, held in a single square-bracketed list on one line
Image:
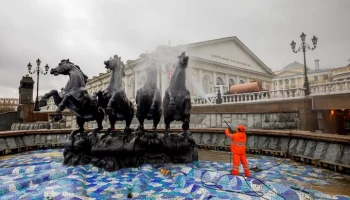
[(63, 68), (183, 60), (115, 64)]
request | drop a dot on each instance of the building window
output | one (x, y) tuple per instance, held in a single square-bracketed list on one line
[(325, 76), (293, 81), (241, 82), (219, 81), (231, 82), (280, 82), (315, 78), (287, 81), (205, 84)]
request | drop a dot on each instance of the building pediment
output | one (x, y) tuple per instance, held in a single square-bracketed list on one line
[(230, 51), (290, 72)]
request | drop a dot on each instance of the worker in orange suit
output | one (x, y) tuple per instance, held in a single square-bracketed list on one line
[(238, 149)]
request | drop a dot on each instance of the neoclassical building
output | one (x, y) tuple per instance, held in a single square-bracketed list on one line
[(225, 61), (341, 73), (292, 76)]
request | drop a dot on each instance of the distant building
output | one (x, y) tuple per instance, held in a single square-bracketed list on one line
[(51, 106), (341, 73), (292, 76), (225, 61), (8, 104)]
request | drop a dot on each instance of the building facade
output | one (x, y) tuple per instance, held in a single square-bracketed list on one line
[(341, 73), (292, 76), (225, 61), (8, 104)]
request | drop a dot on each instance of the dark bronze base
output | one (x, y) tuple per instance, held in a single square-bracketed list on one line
[(117, 150)]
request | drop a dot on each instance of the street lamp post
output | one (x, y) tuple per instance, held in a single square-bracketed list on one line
[(303, 46), (38, 71)]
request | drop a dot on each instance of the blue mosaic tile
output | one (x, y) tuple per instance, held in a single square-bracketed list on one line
[(40, 175)]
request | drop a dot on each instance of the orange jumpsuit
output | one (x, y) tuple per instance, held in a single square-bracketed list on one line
[(238, 149)]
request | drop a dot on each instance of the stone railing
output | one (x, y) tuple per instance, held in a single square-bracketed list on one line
[(338, 87), (292, 93)]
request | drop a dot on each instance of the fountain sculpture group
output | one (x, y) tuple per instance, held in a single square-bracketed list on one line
[(113, 149)]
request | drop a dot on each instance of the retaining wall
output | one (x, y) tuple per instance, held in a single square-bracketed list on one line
[(325, 147)]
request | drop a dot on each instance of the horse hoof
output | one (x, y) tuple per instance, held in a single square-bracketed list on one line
[(42, 103)]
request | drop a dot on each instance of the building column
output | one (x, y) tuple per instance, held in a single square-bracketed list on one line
[(164, 80), (237, 80), (278, 84), (136, 83), (158, 79), (284, 84), (214, 78), (200, 76), (126, 81), (248, 80), (263, 85), (302, 82), (226, 80)]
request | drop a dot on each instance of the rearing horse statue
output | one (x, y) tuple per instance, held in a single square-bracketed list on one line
[(74, 97), (177, 100), (113, 99), (148, 100)]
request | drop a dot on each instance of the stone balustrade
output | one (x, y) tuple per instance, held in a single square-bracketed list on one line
[(292, 93), (338, 87)]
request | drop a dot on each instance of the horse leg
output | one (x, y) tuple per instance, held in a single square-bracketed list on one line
[(80, 122), (99, 118), (187, 114), (127, 125), (141, 121), (60, 108), (112, 100), (156, 120), (167, 126), (56, 97), (95, 99), (112, 121)]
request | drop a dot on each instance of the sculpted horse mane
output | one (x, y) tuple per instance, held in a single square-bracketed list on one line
[(67, 61)]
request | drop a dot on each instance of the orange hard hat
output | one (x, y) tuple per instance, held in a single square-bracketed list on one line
[(241, 128)]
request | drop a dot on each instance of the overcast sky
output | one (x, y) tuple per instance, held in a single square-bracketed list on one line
[(89, 32)]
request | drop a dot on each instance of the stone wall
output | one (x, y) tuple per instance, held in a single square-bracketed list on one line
[(258, 121), (6, 119), (13, 143), (30, 126), (325, 151), (330, 148)]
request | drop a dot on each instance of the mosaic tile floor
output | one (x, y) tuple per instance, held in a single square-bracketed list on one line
[(40, 175)]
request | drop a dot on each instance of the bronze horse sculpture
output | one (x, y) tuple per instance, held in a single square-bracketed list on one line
[(113, 99), (177, 100), (148, 100), (74, 97)]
